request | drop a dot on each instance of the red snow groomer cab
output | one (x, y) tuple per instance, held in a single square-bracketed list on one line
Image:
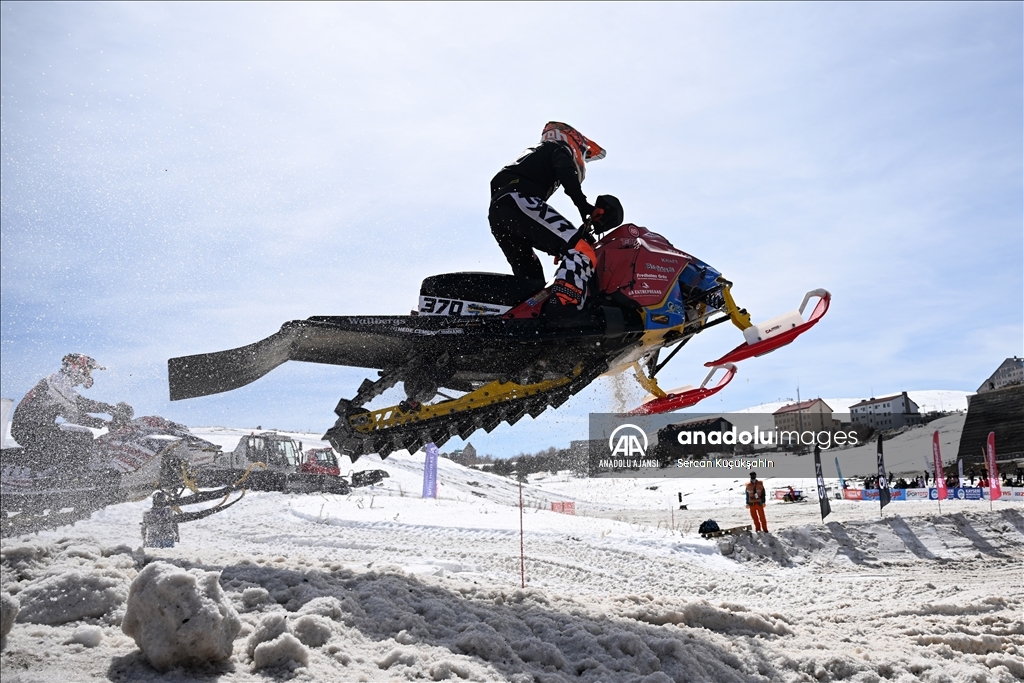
[(320, 461)]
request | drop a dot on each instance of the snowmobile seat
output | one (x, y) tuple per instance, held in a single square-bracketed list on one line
[(491, 288)]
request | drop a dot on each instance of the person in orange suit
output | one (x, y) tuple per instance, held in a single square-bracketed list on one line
[(755, 501)]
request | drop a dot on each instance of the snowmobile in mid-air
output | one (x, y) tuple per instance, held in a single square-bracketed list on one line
[(486, 337)]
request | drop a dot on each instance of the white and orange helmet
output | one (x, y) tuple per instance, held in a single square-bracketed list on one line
[(79, 367), (583, 149)]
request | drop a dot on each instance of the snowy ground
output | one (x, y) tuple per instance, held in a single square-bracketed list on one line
[(625, 590)]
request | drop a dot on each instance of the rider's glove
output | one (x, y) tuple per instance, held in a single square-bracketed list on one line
[(585, 210), (121, 414)]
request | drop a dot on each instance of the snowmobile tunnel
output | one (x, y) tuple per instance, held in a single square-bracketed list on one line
[(355, 342)]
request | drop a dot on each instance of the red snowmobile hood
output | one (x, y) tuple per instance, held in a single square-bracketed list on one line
[(641, 264)]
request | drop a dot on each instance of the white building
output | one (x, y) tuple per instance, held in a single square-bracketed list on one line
[(891, 412), (1009, 373)]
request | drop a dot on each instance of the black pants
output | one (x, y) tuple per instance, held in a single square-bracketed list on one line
[(53, 447), (521, 224)]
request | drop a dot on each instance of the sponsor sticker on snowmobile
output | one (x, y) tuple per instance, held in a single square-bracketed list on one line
[(431, 305)]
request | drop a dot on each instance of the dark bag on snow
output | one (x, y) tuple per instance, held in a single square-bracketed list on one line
[(707, 527)]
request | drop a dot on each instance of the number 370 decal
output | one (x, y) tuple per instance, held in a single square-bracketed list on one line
[(435, 306)]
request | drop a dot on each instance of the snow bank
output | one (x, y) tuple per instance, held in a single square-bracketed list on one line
[(284, 651), (180, 618), (278, 642), (71, 596), (8, 612)]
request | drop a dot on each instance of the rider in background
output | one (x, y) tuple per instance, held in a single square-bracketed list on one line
[(35, 426), (521, 219)]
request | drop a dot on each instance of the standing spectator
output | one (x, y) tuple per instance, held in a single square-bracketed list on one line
[(755, 501)]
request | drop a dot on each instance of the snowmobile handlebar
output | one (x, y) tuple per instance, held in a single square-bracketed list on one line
[(121, 414)]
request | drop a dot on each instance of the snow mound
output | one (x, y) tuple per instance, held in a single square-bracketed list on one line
[(253, 597), (285, 651), (88, 636), (729, 618), (312, 630), (978, 645), (269, 628), (180, 618), (71, 596), (8, 613), (328, 606)]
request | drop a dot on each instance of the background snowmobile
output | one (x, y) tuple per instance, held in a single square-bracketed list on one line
[(483, 335), (133, 459), (139, 456)]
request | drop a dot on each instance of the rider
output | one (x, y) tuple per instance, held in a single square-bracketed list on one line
[(34, 425), (521, 219)]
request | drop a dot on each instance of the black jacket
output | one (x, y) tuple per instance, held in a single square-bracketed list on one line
[(538, 172)]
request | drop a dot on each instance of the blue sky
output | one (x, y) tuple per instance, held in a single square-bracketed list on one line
[(183, 178)]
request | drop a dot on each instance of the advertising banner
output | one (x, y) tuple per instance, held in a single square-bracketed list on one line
[(897, 494), (883, 481), (916, 494), (995, 492), (430, 472), (966, 493), (842, 482), (940, 476), (1017, 493), (826, 507), (870, 494), (853, 494)]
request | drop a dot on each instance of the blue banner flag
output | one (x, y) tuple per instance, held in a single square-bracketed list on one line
[(430, 472)]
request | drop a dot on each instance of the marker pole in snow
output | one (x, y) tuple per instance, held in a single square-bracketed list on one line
[(522, 556)]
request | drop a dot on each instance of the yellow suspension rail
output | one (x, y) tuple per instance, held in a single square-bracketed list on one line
[(487, 395), (740, 318), (648, 383)]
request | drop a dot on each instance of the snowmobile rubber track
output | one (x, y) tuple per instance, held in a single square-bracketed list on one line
[(29, 513), (439, 430)]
